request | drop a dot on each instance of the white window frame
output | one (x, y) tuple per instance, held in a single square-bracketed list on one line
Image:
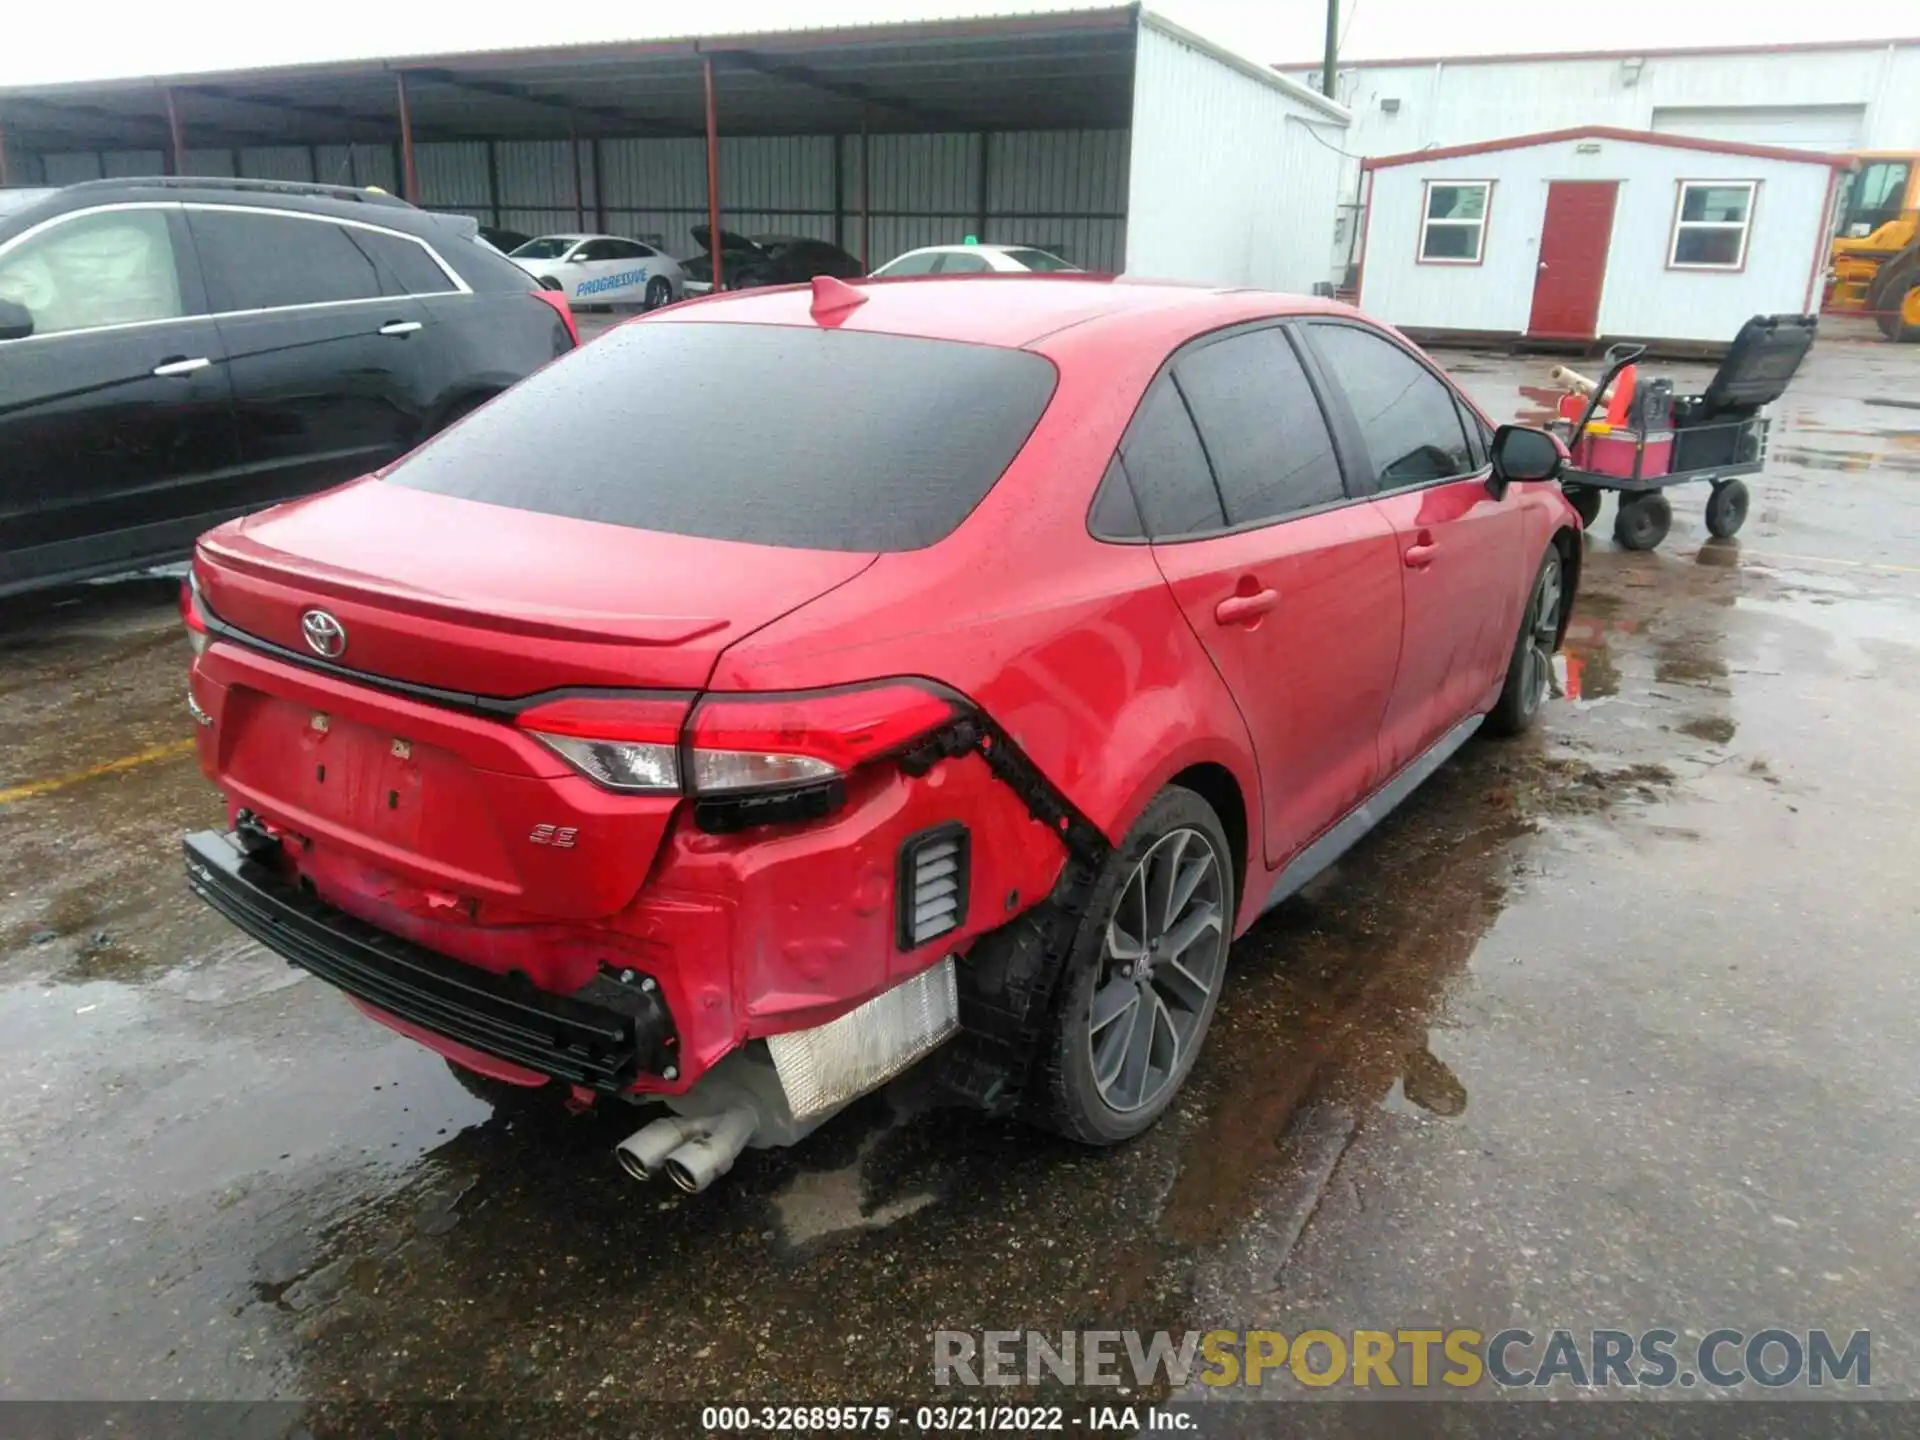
[(1428, 221), (1744, 225)]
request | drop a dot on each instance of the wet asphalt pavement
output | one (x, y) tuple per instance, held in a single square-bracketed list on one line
[(1613, 1026)]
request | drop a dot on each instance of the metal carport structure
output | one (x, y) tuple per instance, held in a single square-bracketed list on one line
[(1022, 129)]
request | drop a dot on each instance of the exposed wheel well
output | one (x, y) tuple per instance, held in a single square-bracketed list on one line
[(1567, 541), (1215, 785)]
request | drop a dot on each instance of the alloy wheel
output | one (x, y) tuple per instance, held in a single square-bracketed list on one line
[(1161, 960), (1543, 633)]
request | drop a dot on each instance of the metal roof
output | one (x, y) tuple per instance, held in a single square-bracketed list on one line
[(1061, 69)]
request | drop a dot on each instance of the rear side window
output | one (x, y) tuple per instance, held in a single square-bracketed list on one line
[(924, 263), (1040, 260), (1406, 415), (1262, 426), (768, 434), (263, 262), (405, 266), (1163, 459)]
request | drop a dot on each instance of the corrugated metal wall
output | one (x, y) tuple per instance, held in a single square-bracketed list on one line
[(1065, 190), (1235, 175)]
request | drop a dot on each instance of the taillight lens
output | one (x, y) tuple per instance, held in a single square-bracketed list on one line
[(629, 743), (744, 742), (191, 616), (558, 300), (736, 744)]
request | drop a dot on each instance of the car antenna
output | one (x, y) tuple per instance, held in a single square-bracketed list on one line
[(833, 297)]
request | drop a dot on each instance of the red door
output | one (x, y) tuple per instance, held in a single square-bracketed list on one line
[(1573, 259)]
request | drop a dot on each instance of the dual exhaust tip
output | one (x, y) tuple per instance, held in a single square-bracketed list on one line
[(693, 1150)]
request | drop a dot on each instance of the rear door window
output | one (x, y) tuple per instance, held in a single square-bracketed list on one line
[(1406, 415), (768, 434), (1261, 425), (258, 261)]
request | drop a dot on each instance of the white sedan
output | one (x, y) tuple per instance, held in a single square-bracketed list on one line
[(603, 270), (972, 260)]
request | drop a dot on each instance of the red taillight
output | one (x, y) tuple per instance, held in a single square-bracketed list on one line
[(627, 742), (191, 617), (746, 742), (736, 744), (558, 300)]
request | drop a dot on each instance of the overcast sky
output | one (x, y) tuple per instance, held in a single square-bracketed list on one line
[(45, 44)]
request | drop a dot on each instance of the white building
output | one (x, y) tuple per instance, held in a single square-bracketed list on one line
[(1837, 96), (1592, 232)]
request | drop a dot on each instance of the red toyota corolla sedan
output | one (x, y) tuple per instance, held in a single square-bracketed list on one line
[(789, 686)]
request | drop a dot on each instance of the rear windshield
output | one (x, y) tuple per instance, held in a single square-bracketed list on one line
[(770, 434)]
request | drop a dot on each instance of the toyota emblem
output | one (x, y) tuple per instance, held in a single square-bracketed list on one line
[(326, 636)]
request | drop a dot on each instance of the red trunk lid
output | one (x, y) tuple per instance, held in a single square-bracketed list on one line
[(485, 600), (424, 806)]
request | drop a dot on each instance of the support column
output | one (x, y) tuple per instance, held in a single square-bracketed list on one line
[(980, 212), (174, 134), (866, 190), (409, 177), (6, 174), (713, 175), (493, 184), (579, 187)]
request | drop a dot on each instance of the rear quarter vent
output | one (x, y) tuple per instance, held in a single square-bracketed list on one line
[(934, 873)]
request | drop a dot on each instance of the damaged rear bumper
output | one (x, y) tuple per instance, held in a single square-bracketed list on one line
[(602, 1038)]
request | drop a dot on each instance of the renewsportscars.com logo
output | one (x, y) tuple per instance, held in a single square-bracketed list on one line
[(1458, 1359)]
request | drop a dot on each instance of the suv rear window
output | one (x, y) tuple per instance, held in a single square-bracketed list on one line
[(768, 434)]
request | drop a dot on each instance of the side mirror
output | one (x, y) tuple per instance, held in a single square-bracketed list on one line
[(1522, 453), (16, 321)]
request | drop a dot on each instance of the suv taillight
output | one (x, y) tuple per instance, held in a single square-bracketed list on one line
[(191, 616), (558, 300), (738, 745)]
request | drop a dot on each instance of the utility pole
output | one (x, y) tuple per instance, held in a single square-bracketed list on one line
[(1333, 48)]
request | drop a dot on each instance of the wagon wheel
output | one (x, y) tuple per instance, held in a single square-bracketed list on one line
[(1643, 521), (1727, 509), (1586, 503)]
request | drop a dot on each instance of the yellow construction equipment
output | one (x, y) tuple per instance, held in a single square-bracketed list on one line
[(1876, 244)]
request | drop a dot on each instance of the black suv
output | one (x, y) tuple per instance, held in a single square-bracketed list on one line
[(177, 351)]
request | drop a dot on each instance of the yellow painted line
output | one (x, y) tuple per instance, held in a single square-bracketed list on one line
[(1830, 560), (148, 756)]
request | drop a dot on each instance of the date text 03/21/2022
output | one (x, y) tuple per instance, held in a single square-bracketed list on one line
[(941, 1419)]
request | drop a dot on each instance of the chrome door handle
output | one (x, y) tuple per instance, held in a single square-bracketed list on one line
[(182, 367), (399, 327)]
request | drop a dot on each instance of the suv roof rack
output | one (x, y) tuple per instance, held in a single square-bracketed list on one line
[(230, 182)]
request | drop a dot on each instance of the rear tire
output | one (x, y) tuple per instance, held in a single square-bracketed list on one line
[(1150, 952), (659, 293), (1727, 509), (1899, 307), (1643, 521), (1530, 670)]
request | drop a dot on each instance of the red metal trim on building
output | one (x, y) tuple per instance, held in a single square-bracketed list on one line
[(1822, 243), (1608, 132)]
